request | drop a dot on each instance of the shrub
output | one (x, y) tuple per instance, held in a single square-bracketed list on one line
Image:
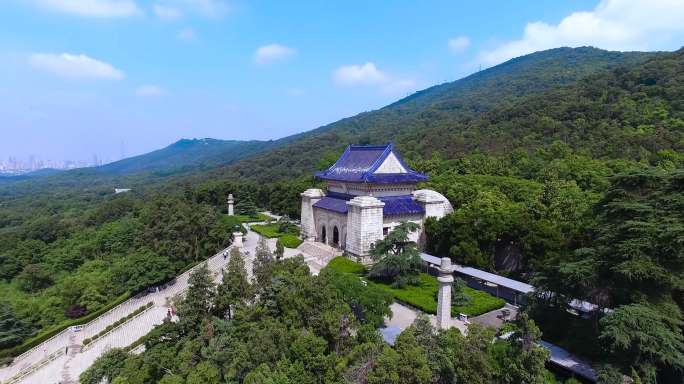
[(75, 311)]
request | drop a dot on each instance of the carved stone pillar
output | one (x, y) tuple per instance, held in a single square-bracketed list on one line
[(446, 280)]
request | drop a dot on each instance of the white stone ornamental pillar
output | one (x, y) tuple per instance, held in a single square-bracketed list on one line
[(237, 239), (446, 280), (230, 205)]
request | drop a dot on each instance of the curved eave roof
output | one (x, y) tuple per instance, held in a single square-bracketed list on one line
[(358, 164)]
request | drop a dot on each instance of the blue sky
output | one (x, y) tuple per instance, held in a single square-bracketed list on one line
[(79, 77)]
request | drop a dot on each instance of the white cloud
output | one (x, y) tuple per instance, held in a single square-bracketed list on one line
[(93, 8), (167, 12), (365, 74), (614, 24), (368, 74), (187, 35), (208, 8), (75, 66), (459, 44), (150, 90), (272, 52)]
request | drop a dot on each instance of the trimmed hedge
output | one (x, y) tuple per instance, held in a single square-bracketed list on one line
[(344, 265), (424, 297), (268, 230), (290, 241), (50, 332), (115, 324), (272, 231), (253, 219)]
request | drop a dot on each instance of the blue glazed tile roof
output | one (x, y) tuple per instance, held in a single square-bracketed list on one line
[(394, 205), (332, 204), (399, 205), (359, 162)]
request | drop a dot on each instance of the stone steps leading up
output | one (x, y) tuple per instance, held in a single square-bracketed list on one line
[(322, 253)]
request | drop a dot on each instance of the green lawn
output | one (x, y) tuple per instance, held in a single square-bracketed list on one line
[(423, 296), (252, 219), (289, 239), (344, 265)]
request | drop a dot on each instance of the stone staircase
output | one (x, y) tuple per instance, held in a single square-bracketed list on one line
[(318, 255), (73, 349)]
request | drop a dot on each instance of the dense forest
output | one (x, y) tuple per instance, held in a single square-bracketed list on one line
[(565, 169), (291, 327)]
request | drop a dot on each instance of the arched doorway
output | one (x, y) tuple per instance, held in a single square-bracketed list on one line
[(323, 236), (336, 236)]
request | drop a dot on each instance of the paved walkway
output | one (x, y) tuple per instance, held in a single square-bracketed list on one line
[(495, 318), (402, 318)]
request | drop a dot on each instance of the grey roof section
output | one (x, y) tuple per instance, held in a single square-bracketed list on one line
[(430, 259), (572, 363), (515, 285)]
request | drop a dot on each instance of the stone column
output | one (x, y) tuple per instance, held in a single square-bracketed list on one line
[(230, 205), (364, 224), (446, 280), (237, 239), (309, 198)]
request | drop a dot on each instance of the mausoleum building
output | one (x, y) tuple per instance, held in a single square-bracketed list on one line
[(369, 191)]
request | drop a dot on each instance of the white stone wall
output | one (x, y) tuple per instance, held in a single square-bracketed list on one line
[(391, 222), (309, 198), (364, 224), (330, 220)]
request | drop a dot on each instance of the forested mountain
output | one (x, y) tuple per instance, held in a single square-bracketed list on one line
[(443, 118), (186, 155), (564, 168)]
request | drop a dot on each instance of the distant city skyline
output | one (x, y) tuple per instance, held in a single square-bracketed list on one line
[(81, 77), (19, 165)]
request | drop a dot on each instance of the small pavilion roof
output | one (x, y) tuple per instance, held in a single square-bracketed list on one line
[(364, 164)]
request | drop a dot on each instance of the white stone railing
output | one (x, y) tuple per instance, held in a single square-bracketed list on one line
[(95, 340)]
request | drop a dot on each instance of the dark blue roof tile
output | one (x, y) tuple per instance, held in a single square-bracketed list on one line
[(359, 162), (394, 205)]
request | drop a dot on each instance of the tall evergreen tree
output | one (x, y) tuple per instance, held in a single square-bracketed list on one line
[(280, 250), (263, 265), (396, 257), (197, 303), (234, 289), (12, 329)]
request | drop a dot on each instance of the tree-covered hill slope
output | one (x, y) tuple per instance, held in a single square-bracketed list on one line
[(441, 118), (185, 155)]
